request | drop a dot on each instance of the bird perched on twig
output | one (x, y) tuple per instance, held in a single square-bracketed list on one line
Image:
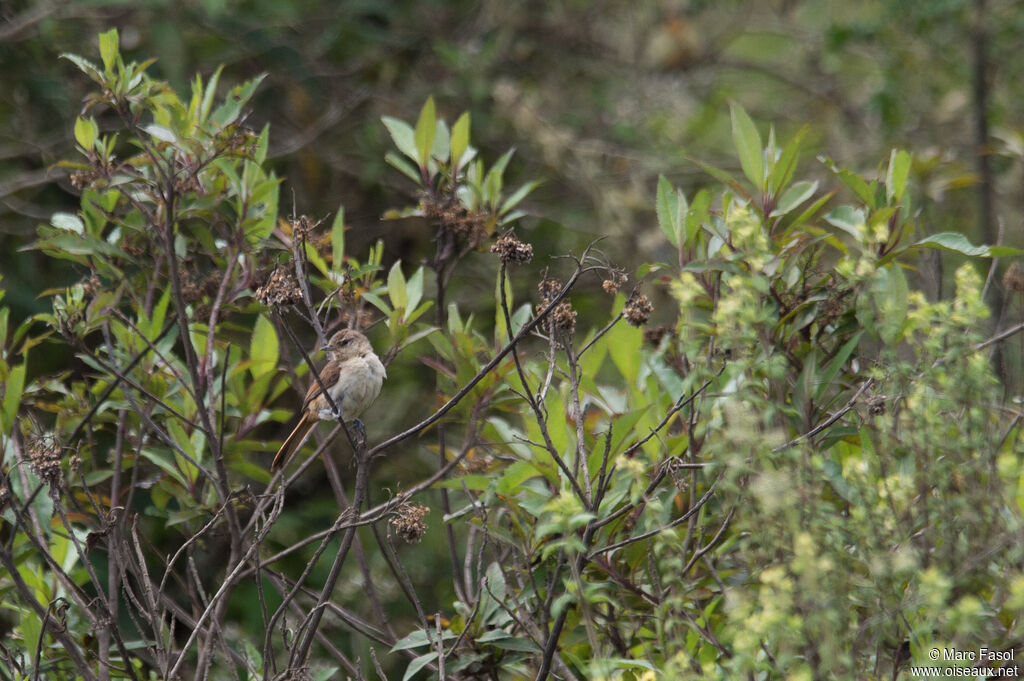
[(353, 376)]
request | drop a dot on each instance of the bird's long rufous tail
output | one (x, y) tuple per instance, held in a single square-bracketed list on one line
[(292, 442)]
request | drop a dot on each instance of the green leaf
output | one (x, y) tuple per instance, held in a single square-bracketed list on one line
[(890, 293), (853, 181), (402, 135), (747, 141), (958, 243), (68, 221), (338, 239), (849, 219), (442, 147), (783, 168), (414, 291), (896, 178), (397, 290), (426, 129), (517, 196), (263, 348), (794, 196), (161, 133), (666, 204), (86, 132), (108, 49), (697, 215), (13, 388), (833, 368), (85, 66), (208, 95), (403, 166), (262, 145), (460, 139), (418, 664), (228, 112)]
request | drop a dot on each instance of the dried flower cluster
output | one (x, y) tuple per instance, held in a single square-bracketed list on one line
[(562, 317), (303, 227), (44, 457), (1013, 278), (638, 310), (653, 336), (451, 215), (612, 284), (281, 289), (83, 179), (512, 250), (187, 184), (408, 521), (90, 286)]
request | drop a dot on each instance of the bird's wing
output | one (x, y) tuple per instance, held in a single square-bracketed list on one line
[(328, 376)]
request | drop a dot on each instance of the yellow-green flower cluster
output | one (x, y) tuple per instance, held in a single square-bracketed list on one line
[(742, 308), (748, 237)]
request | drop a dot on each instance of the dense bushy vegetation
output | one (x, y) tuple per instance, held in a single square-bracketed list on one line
[(801, 464)]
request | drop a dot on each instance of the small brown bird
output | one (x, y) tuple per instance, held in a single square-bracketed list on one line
[(353, 376)]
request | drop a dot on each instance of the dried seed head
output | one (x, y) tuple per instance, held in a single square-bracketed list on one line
[(44, 457), (281, 289), (1013, 278), (451, 216), (653, 336), (187, 184), (512, 250), (303, 227), (638, 310), (612, 284), (408, 521), (563, 317), (90, 286), (548, 289), (83, 179)]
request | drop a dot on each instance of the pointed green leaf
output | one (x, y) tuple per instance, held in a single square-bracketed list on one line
[(85, 66), (697, 214), (68, 221), (865, 191), (833, 368), (403, 166), (958, 243), (794, 196), (402, 135), (108, 49), (13, 388), (86, 132), (208, 95), (460, 139), (667, 209), (747, 141), (848, 219), (338, 239), (517, 196), (414, 289), (426, 129), (442, 147), (263, 348), (397, 289), (783, 168), (896, 177), (418, 663)]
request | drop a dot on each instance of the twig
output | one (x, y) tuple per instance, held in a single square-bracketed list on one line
[(830, 420)]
